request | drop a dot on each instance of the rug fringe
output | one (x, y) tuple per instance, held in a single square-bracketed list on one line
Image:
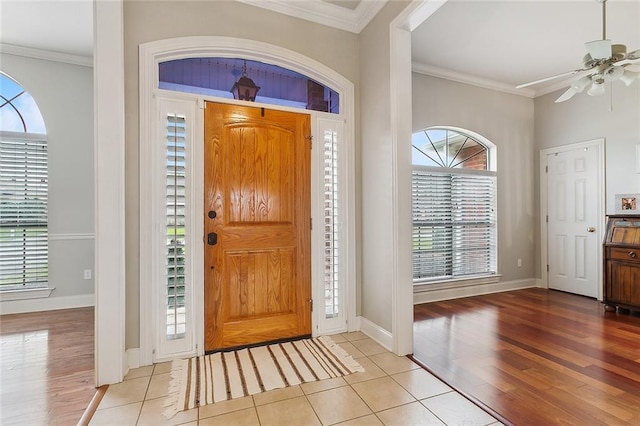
[(351, 363), (171, 401)]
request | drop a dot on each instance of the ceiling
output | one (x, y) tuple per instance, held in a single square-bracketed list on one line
[(496, 44)]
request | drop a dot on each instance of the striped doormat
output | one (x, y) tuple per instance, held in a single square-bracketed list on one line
[(222, 376)]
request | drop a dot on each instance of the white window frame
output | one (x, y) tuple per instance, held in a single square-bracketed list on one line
[(151, 54), (170, 348), (426, 285), (43, 289)]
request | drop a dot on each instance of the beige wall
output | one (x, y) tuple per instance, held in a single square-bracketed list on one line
[(147, 21), (507, 121), (377, 168)]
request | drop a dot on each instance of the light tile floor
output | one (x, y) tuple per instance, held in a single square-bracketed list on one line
[(392, 391)]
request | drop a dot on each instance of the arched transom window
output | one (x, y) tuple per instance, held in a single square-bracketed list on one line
[(453, 206)]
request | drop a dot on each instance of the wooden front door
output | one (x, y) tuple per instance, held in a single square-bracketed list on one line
[(257, 225)]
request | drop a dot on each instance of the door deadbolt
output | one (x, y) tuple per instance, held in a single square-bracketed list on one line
[(212, 214)]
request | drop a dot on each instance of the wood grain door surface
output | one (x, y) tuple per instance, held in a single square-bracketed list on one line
[(257, 209)]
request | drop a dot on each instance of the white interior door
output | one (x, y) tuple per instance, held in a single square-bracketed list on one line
[(573, 234)]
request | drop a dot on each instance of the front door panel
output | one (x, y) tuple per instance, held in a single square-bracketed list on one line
[(257, 225)]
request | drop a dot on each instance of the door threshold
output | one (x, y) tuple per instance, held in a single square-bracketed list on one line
[(254, 345)]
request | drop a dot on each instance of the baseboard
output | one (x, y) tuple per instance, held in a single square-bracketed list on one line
[(376, 332), (474, 290), (133, 358), (46, 304)]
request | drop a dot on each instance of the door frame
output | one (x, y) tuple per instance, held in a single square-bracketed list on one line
[(599, 145), (151, 54)]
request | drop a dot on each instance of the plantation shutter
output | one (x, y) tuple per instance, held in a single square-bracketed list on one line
[(454, 224), (330, 223), (175, 225), (23, 212)]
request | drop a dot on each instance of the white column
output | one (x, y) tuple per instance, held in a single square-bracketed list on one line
[(108, 60)]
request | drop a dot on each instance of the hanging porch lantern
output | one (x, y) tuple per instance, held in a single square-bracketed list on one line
[(245, 89)]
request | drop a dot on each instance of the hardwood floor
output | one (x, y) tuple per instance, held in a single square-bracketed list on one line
[(46, 367), (535, 356)]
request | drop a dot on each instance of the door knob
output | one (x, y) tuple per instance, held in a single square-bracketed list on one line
[(591, 229), (212, 238)]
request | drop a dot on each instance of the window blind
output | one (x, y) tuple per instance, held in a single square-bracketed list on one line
[(23, 213), (454, 224), (175, 225)]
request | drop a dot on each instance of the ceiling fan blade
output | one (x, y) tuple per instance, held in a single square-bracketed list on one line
[(566, 95), (542, 80), (633, 55)]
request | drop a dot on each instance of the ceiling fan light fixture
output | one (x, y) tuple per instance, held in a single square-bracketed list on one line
[(599, 49), (579, 85), (629, 77), (597, 88), (613, 73)]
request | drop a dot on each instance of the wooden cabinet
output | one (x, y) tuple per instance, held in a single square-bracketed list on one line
[(622, 263)]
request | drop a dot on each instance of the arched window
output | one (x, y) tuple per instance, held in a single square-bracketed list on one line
[(23, 190), (220, 77), (453, 205)]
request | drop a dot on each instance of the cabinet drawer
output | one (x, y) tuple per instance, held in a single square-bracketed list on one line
[(628, 254)]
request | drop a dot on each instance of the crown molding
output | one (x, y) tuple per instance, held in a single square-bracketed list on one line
[(325, 13), (470, 79), (47, 55)]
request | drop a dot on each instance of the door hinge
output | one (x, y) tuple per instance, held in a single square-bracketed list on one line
[(310, 139), (311, 303), (311, 224), (546, 169), (547, 268), (547, 218)]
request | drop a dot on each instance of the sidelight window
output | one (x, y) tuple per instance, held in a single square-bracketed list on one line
[(175, 225)]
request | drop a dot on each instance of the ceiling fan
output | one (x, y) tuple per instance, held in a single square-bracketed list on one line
[(603, 62)]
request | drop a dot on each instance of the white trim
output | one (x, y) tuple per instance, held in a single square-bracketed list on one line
[(150, 55), (24, 294), (400, 122), (426, 285), (109, 166), (46, 304), (47, 55), (22, 136), (472, 290), (376, 332), (325, 13), (74, 237), (133, 358), (470, 79), (599, 145)]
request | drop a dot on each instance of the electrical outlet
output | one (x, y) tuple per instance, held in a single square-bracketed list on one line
[(519, 263), (87, 274)]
